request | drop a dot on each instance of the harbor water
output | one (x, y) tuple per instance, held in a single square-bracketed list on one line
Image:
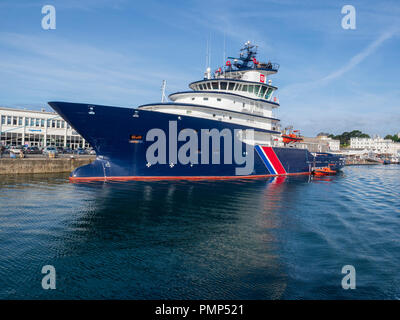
[(277, 238)]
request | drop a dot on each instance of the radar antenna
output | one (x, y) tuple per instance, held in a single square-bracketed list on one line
[(247, 55)]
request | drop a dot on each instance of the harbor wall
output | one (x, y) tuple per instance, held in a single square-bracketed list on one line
[(42, 165)]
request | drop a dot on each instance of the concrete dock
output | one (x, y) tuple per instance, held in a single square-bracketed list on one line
[(42, 164)]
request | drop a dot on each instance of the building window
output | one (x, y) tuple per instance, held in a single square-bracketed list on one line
[(3, 119), (37, 122), (42, 122), (58, 124), (53, 123), (20, 121), (62, 124), (15, 121), (9, 120), (32, 122)]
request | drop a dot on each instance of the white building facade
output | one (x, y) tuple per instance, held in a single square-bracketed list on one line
[(376, 144), (321, 144), (37, 128)]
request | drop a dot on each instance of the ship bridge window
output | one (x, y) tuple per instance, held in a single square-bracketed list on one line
[(223, 85), (209, 85), (231, 86), (256, 89), (269, 93), (250, 88), (244, 87), (262, 92), (215, 85)]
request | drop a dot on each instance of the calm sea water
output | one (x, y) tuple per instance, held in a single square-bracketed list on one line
[(263, 239)]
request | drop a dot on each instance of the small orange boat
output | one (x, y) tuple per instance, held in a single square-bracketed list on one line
[(325, 171)]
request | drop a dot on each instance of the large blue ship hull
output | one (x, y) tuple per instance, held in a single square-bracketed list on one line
[(118, 137)]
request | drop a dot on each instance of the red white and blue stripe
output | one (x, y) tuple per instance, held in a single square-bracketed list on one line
[(270, 160)]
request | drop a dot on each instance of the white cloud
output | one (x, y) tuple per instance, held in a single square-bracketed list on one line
[(358, 58), (299, 88)]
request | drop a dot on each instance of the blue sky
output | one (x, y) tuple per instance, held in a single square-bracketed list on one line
[(118, 52)]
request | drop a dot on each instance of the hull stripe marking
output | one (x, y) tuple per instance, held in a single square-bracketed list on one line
[(144, 178), (270, 160), (273, 158), (264, 158)]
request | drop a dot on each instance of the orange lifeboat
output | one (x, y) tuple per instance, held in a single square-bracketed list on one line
[(325, 171), (291, 137)]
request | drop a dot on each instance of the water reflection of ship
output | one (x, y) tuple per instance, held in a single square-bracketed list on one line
[(221, 231)]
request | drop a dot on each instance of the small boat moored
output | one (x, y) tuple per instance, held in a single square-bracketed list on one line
[(324, 171)]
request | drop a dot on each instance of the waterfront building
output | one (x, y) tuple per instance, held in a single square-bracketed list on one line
[(37, 128), (376, 144), (321, 143)]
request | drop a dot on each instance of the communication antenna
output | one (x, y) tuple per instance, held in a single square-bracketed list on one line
[(209, 51), (163, 96), (224, 53), (207, 74)]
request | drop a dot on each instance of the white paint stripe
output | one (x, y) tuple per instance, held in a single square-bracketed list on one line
[(269, 161)]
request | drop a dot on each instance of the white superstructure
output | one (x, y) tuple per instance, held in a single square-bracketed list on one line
[(240, 93)]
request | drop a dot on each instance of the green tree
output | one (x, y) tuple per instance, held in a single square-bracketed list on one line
[(346, 136), (394, 137)]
